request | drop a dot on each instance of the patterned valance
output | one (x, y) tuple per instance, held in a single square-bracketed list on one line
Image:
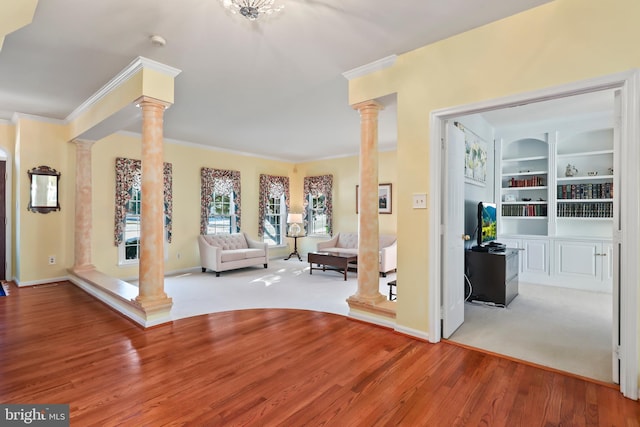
[(314, 185), (220, 181), (271, 186), (129, 176)]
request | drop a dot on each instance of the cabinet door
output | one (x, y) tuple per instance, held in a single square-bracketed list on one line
[(575, 259), (514, 244), (607, 262), (535, 256)]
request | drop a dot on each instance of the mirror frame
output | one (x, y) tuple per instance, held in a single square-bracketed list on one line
[(42, 171)]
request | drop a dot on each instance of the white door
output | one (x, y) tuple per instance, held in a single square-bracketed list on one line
[(452, 241)]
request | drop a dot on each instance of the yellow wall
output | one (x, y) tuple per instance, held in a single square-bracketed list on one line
[(560, 42), (39, 236), (186, 160), (345, 173)]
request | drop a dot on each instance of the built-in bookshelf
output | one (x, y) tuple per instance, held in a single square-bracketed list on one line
[(524, 187)]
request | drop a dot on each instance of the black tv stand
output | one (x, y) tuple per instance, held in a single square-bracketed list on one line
[(493, 275)]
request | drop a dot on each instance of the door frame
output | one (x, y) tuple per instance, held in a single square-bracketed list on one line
[(8, 198), (629, 84)]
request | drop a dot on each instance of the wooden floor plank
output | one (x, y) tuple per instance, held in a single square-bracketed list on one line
[(271, 367)]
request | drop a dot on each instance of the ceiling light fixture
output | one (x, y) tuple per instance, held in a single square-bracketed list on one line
[(252, 9)]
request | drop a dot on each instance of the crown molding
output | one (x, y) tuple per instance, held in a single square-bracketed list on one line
[(363, 70), (129, 71), (16, 117)]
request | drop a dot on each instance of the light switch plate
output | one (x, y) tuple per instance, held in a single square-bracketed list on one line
[(420, 201)]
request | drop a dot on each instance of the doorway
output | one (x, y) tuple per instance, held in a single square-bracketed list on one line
[(626, 248)]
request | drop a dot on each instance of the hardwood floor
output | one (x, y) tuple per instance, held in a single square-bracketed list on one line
[(270, 367)]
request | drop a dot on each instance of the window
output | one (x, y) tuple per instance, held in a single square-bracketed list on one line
[(318, 205), (272, 208), (219, 201), (274, 221), (130, 247), (318, 223), (128, 202), (222, 218)]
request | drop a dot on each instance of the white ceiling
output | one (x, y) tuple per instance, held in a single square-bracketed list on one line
[(272, 88)]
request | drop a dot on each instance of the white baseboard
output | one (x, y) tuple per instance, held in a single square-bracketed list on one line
[(40, 282), (358, 315), (415, 333)]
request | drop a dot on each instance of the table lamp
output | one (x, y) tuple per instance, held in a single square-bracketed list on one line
[(294, 220)]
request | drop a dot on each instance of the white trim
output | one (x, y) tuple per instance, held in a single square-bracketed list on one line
[(129, 71), (630, 247), (371, 67), (9, 213), (16, 117), (412, 332), (629, 83), (48, 281), (435, 225), (358, 315), (110, 300)]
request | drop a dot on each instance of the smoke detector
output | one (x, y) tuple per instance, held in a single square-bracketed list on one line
[(158, 41)]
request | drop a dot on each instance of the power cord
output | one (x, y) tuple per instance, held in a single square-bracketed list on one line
[(470, 288), (485, 303)]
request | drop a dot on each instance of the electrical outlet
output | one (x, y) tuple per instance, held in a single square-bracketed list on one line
[(52, 259), (420, 201)]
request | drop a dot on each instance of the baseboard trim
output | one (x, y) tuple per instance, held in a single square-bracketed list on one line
[(413, 333)]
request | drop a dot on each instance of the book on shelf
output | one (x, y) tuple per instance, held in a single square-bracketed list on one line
[(585, 210), (535, 181), (524, 210), (585, 191)]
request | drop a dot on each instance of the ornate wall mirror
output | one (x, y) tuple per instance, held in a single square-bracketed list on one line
[(44, 189)]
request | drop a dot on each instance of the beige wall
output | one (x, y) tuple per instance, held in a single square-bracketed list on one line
[(561, 42), (39, 236), (42, 235), (345, 171), (186, 160)]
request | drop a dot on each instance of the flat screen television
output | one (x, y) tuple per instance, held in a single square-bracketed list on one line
[(487, 223)]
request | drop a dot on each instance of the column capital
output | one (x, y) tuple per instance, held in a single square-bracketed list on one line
[(83, 142), (368, 106), (147, 100)]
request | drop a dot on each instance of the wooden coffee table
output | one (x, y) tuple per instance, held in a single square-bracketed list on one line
[(339, 260)]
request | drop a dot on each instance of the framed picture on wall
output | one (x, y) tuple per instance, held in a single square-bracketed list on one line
[(384, 198), (475, 160)]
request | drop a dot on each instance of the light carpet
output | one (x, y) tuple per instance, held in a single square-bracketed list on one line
[(557, 327), (284, 284)]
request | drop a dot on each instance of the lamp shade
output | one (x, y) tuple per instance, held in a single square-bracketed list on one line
[(294, 218)]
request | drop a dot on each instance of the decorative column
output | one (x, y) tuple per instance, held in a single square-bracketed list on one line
[(151, 295), (83, 217), (368, 233)]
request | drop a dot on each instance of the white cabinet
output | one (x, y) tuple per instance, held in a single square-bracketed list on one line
[(524, 185), (584, 264), (555, 191), (535, 257), (584, 184)]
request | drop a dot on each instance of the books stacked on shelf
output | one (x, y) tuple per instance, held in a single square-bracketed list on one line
[(524, 210), (585, 210), (586, 191), (534, 181)]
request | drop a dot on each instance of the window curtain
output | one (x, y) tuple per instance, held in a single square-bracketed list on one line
[(314, 185), (128, 176), (271, 186), (224, 182)]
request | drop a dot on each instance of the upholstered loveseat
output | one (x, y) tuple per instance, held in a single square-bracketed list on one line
[(348, 242), (222, 252)]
